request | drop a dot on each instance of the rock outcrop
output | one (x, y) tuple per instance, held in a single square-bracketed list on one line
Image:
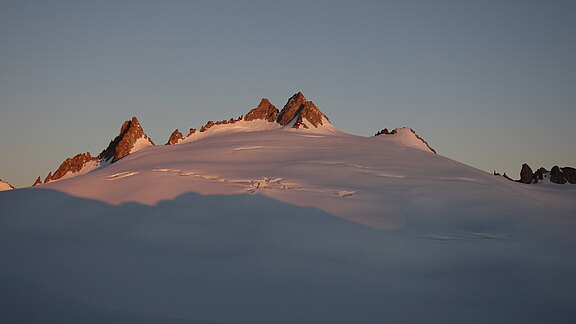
[(175, 137), (301, 113), (264, 111), (124, 143), (37, 182), (539, 175), (210, 123), (558, 175), (569, 174), (526, 174), (131, 138), (73, 165)]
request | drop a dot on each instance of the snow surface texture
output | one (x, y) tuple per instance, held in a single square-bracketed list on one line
[(287, 226), (405, 136), (5, 186)]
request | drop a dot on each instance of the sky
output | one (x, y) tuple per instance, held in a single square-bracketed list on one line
[(488, 83)]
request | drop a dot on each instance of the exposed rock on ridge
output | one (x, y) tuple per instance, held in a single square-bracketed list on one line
[(558, 175), (122, 145), (37, 182), (130, 132), (265, 111), (297, 113), (175, 137), (73, 165), (526, 174), (297, 110)]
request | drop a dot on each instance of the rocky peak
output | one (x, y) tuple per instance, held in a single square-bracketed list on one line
[(301, 112), (175, 137), (526, 174), (37, 182), (72, 165), (265, 111), (569, 174), (124, 143), (557, 176)]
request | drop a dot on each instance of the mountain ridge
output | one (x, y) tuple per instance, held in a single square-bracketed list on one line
[(298, 114)]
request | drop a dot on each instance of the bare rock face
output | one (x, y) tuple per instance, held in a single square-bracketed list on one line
[(298, 109), (175, 137), (569, 174), (37, 182), (210, 124), (265, 111), (122, 145), (557, 176), (192, 131), (48, 177), (73, 165), (291, 109), (385, 131), (526, 174), (539, 175)]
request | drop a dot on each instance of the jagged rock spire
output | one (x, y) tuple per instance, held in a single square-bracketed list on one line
[(73, 165), (265, 111), (175, 137), (123, 144), (301, 112), (526, 174), (37, 182)]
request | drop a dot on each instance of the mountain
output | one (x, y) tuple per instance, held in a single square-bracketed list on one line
[(257, 221), (299, 112), (5, 186), (264, 111), (130, 140)]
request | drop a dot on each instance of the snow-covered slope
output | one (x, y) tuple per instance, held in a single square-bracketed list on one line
[(5, 185), (405, 136), (255, 222)]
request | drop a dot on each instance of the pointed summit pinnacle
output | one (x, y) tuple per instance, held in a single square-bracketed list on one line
[(124, 143), (300, 112), (265, 110)]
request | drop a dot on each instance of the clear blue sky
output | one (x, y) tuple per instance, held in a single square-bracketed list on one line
[(488, 83)]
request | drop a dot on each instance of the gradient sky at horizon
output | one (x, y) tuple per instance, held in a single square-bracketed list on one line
[(488, 83)]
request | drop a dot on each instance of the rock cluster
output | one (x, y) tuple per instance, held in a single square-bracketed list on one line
[(73, 164), (121, 146), (130, 132), (210, 123), (297, 113), (559, 175)]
